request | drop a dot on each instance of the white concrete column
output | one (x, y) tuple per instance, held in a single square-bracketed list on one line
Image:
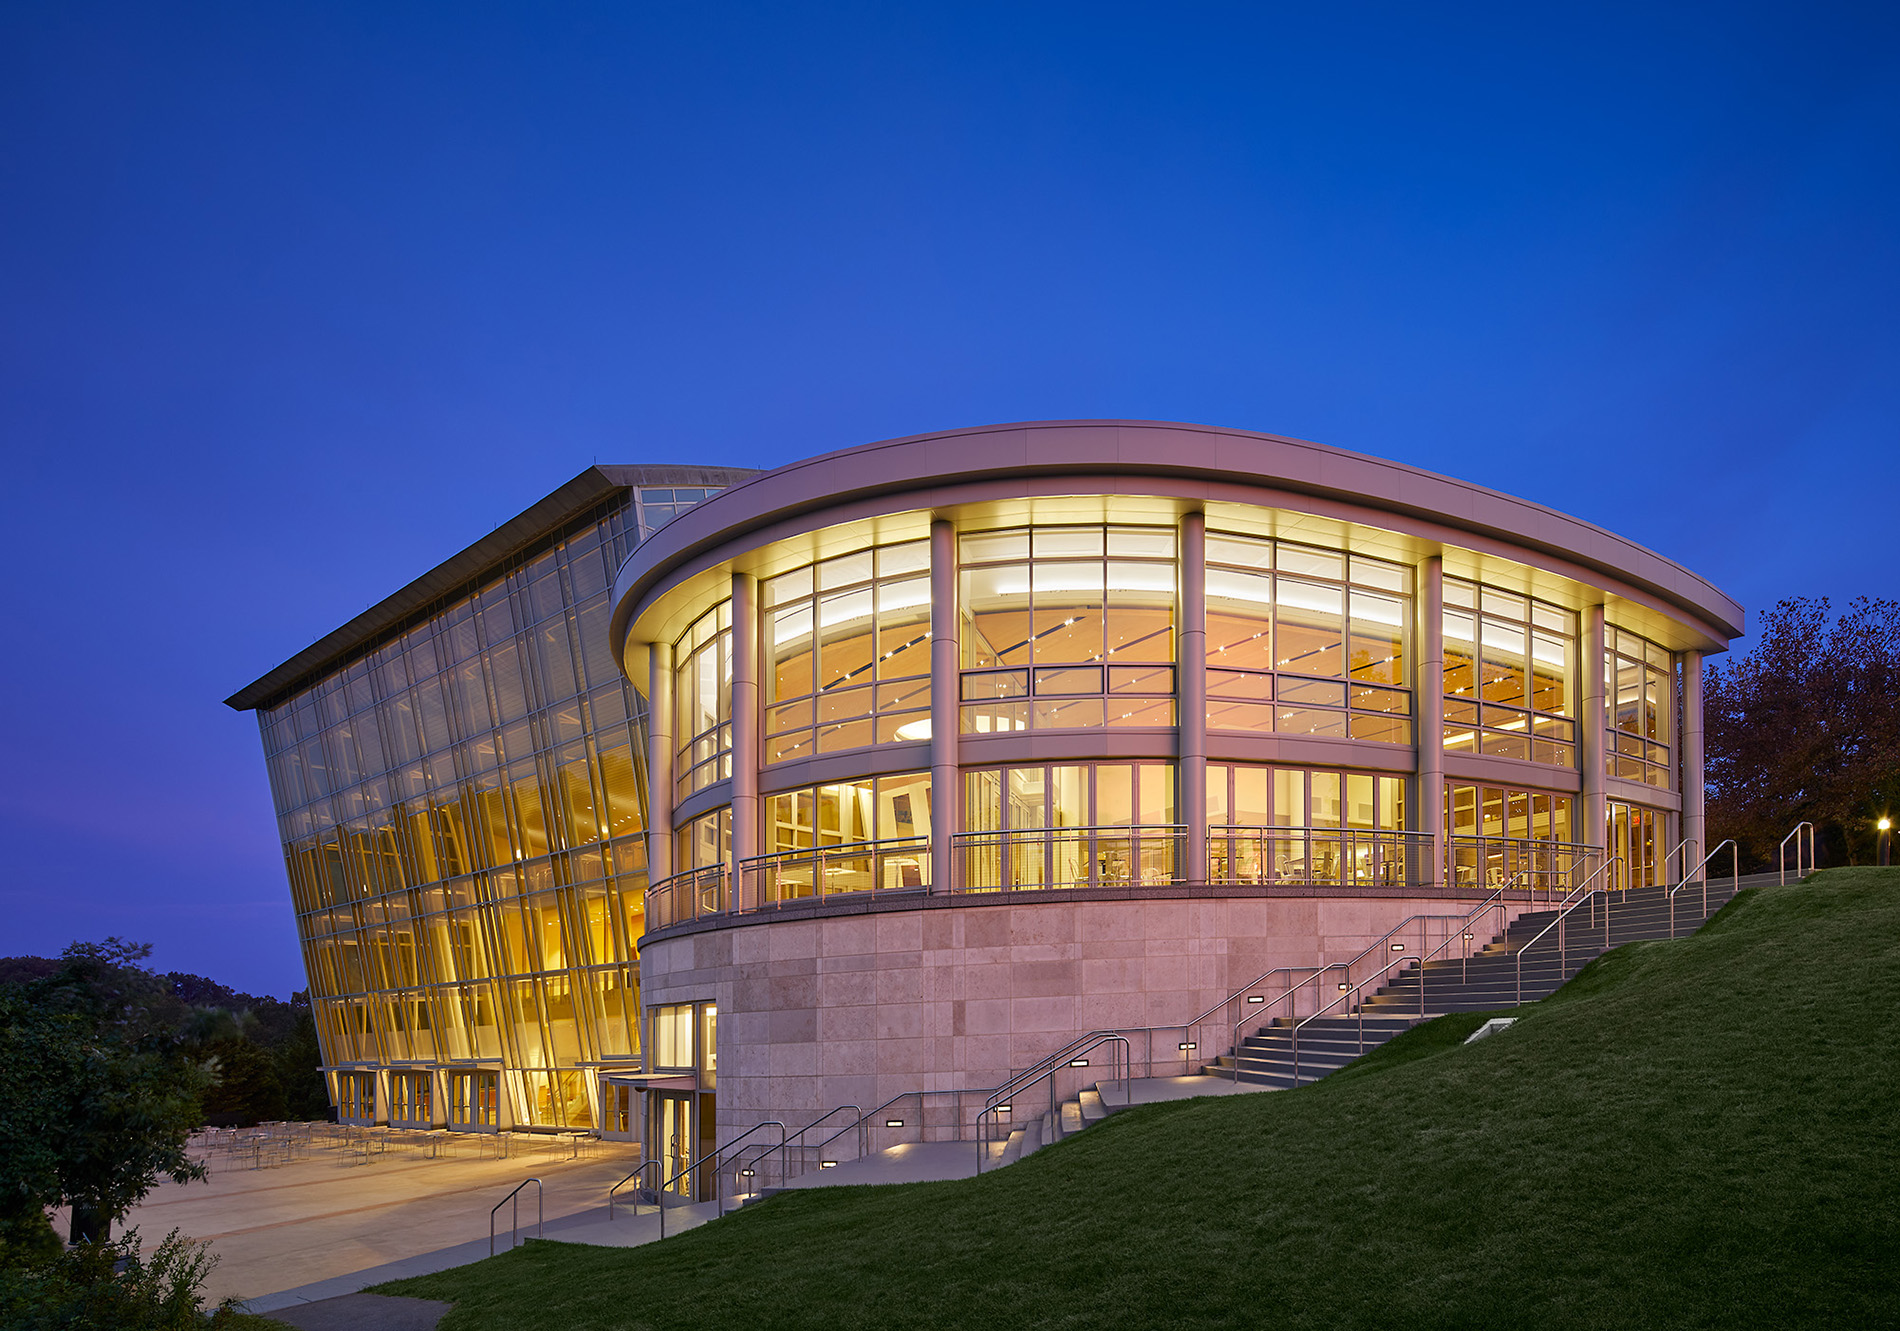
[(745, 720), (1428, 689), (1192, 722), (1590, 723), (1694, 814), (659, 761), (946, 779)]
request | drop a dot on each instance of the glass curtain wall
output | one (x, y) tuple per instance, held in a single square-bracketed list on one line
[(1508, 676), (1067, 628), (462, 811), (1639, 685), (848, 652), (1306, 642)]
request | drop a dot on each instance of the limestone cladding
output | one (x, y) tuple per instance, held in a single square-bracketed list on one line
[(856, 1009)]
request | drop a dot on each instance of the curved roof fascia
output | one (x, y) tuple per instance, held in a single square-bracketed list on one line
[(996, 460)]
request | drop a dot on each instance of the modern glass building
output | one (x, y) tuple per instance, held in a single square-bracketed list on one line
[(459, 788), (898, 767)]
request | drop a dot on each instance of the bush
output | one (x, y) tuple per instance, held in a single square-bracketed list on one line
[(112, 1285)]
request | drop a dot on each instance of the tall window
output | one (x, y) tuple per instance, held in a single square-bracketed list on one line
[(1063, 825), (849, 812), (1067, 627), (1639, 685), (1077, 795), (1249, 795), (1508, 675), (848, 646), (1305, 641), (1499, 834), (702, 701)]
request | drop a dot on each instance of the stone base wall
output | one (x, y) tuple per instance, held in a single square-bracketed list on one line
[(855, 1009)]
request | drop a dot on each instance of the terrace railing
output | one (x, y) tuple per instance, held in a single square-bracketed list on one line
[(688, 896), (1330, 856), (899, 864), (1027, 859), (1550, 867)]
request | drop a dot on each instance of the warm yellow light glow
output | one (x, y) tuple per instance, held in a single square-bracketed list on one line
[(1885, 824)]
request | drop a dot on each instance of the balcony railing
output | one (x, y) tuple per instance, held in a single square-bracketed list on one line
[(1138, 855), (899, 864), (687, 896), (1551, 867), (1329, 856)]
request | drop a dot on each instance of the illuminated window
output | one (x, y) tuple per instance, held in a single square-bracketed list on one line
[(1067, 628), (1639, 686), (848, 652), (1305, 641), (702, 701), (1508, 675)]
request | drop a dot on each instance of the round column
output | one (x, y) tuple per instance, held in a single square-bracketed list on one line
[(1590, 714), (659, 761), (946, 782), (1428, 687), (1192, 722), (745, 720), (1694, 814)]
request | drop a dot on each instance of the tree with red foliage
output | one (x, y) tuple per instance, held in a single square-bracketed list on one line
[(1807, 727)]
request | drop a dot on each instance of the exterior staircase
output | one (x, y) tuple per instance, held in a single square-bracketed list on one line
[(1068, 1118), (1487, 980)]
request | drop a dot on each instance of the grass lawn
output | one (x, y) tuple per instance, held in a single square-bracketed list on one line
[(1697, 1133)]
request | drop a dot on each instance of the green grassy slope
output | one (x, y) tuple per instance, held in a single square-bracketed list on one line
[(1697, 1133)]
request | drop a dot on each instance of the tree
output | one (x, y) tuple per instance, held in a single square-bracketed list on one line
[(1807, 727), (108, 1092)]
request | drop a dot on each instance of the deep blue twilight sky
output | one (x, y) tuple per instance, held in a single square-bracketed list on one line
[(296, 301)]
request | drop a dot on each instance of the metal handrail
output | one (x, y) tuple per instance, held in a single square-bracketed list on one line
[(1380, 975), (661, 905), (915, 849), (1464, 936), (1563, 913), (712, 1158), (1572, 853), (995, 1105), (1675, 849), (1795, 836), (864, 1118), (1003, 841), (799, 1135), (1735, 875), (644, 1166), (1385, 849), (514, 1216), (1377, 944)]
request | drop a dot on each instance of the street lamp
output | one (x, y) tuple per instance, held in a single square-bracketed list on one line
[(1886, 840)]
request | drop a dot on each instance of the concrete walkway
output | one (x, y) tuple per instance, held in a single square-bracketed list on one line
[(322, 1226)]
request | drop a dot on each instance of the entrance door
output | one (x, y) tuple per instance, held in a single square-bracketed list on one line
[(1633, 832), (672, 1136)]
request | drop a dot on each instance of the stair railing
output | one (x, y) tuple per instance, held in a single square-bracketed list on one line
[(712, 1158), (645, 1165), (1464, 935), (1347, 995), (1735, 876), (1382, 944), (514, 1216), (1002, 1100), (1678, 848), (783, 1149), (1571, 903), (1795, 836)]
